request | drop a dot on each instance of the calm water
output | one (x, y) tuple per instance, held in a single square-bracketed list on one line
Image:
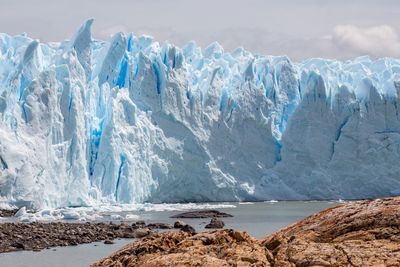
[(258, 219)]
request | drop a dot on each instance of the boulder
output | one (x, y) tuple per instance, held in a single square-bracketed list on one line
[(215, 224), (141, 232), (179, 224), (188, 229)]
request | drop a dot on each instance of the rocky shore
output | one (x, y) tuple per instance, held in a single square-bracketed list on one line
[(361, 233), (37, 236), (7, 213), (16, 236)]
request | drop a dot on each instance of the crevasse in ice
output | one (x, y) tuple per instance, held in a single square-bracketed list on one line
[(130, 120)]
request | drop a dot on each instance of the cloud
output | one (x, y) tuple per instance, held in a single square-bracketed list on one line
[(341, 42), (106, 32), (377, 41)]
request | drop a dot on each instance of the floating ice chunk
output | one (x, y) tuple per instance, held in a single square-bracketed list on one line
[(21, 212), (131, 217), (246, 203), (115, 217), (71, 215)]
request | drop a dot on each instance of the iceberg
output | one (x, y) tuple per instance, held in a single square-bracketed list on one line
[(131, 120)]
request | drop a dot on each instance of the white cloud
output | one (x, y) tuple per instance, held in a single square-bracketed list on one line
[(378, 41), (107, 32)]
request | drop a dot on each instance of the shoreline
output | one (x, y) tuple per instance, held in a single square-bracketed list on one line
[(19, 234), (367, 232), (252, 218), (36, 236)]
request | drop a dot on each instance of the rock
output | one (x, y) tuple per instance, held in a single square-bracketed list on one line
[(179, 224), (140, 223), (141, 232), (215, 224), (160, 226), (8, 213), (202, 214), (19, 245), (109, 242), (361, 233), (239, 236), (111, 234), (183, 249), (188, 229)]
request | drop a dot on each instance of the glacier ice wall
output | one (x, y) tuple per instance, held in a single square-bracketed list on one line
[(130, 120)]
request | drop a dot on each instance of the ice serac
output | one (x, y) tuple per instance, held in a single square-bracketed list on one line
[(81, 43), (130, 120)]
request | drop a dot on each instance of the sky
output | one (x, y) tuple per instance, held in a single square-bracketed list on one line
[(300, 29)]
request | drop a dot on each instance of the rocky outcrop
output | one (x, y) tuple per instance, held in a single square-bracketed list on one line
[(217, 248), (361, 233)]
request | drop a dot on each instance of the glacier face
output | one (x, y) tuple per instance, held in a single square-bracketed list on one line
[(130, 120)]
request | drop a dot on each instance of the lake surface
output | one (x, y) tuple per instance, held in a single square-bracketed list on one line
[(258, 219)]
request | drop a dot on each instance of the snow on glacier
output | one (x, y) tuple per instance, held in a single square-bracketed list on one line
[(130, 120)]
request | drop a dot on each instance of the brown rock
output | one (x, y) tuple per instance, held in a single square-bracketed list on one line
[(183, 249), (160, 226), (215, 224), (362, 233), (188, 229), (179, 224), (239, 236), (141, 232), (109, 242)]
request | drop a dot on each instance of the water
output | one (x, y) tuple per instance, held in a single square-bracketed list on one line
[(258, 219), (82, 255)]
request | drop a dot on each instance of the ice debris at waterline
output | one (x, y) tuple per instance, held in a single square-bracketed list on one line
[(130, 120), (104, 212)]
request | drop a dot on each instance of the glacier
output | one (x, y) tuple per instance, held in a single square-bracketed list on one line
[(132, 120)]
